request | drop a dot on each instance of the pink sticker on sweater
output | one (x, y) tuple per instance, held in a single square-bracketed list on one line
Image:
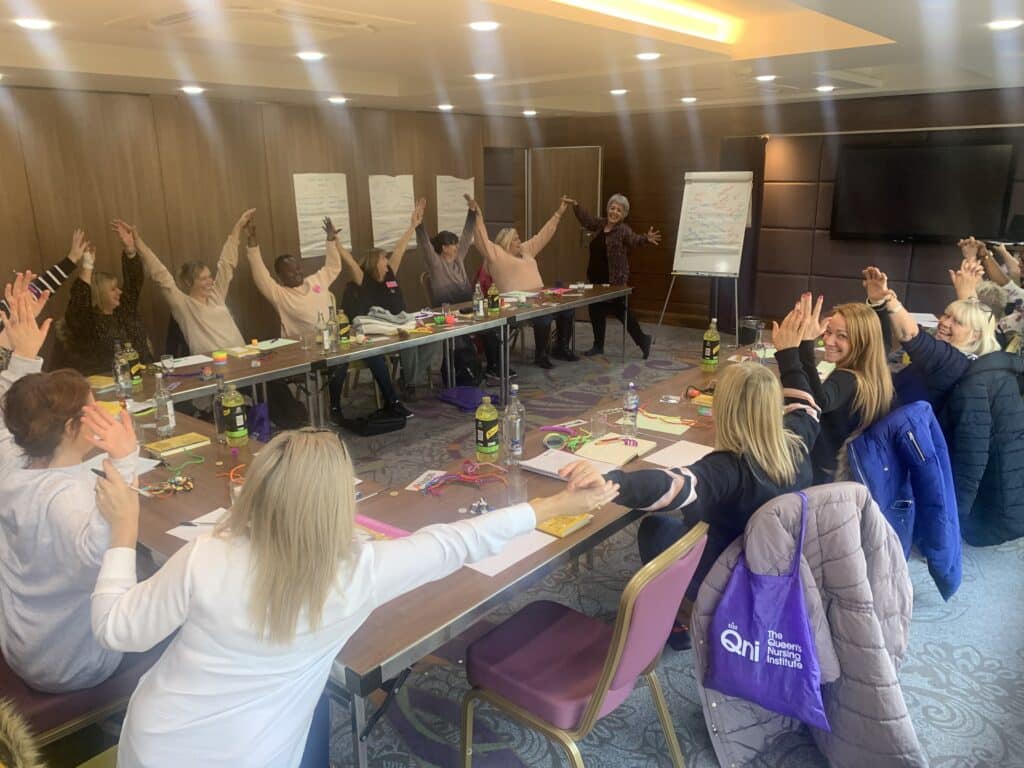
[(391, 284), (316, 289)]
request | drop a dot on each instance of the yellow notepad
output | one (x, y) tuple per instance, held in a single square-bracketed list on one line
[(246, 351), (110, 406), (101, 383), (563, 525), (177, 444), (612, 449)]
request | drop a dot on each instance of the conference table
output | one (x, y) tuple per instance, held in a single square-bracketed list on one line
[(407, 629), (293, 360)]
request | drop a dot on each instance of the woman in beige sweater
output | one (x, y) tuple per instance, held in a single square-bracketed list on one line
[(198, 305)]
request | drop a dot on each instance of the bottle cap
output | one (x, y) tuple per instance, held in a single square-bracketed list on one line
[(514, 389), (486, 400)]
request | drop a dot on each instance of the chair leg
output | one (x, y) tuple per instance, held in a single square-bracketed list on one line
[(572, 751), (468, 706), (666, 720)]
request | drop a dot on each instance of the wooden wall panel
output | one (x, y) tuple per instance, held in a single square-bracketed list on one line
[(17, 225)]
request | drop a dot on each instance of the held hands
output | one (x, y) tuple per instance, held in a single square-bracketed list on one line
[(24, 334), (876, 283), (115, 436), (471, 203), (78, 245), (564, 203), (128, 235), (250, 232), (332, 232), (89, 258), (417, 212), (653, 236), (970, 248), (119, 505), (965, 280), (242, 221)]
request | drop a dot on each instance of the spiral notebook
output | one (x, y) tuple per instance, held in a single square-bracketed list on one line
[(615, 449), (553, 459)]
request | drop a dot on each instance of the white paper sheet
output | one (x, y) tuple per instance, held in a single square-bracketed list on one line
[(713, 219), (681, 454), (318, 195), (181, 362), (391, 204), (275, 343), (553, 459), (421, 482), (203, 523), (517, 549), (142, 464), (925, 319), (451, 205)]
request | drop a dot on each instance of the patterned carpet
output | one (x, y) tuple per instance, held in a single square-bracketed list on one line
[(963, 679)]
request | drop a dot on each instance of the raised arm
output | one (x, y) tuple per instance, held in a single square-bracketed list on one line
[(229, 257), (403, 243), (965, 280), (261, 276), (466, 238), (425, 247), (52, 278), (483, 240), (25, 335), (347, 261), (1011, 262), (158, 273), (332, 261), (584, 217), (535, 244), (992, 269), (131, 270)]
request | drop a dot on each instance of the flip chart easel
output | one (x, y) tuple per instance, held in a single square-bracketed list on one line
[(713, 220)]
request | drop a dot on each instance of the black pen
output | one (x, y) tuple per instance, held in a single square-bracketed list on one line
[(101, 473)]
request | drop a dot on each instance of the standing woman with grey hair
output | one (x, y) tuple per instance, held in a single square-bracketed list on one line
[(609, 263)]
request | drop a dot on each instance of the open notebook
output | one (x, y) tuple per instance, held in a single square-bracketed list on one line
[(553, 459), (615, 449)]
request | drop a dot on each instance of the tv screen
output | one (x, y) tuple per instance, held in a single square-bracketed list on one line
[(922, 193)]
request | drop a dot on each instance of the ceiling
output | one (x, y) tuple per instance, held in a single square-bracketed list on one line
[(547, 55)]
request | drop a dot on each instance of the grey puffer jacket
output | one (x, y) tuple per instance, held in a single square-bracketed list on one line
[(859, 598)]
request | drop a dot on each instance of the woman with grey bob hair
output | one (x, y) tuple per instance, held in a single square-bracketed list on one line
[(609, 263)]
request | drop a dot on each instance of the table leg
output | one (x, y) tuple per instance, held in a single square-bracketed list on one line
[(359, 753), (503, 362), (449, 356), (625, 316), (313, 404)]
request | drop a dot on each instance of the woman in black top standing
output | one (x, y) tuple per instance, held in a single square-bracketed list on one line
[(101, 312), (609, 264)]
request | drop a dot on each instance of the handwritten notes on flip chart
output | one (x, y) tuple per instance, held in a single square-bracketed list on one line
[(712, 222), (391, 203), (451, 205), (318, 195)]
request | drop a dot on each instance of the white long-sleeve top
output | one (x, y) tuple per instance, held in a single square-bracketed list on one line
[(207, 325), (221, 695), (52, 540), (302, 306)]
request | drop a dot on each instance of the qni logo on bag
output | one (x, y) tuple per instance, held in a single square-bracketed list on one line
[(733, 642), (779, 652)]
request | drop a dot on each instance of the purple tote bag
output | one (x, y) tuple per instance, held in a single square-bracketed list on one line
[(761, 643)]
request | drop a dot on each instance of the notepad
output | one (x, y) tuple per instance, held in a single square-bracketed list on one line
[(246, 351), (274, 344), (200, 525), (553, 459), (563, 525), (177, 444), (181, 362), (681, 454), (101, 383), (655, 424), (142, 464), (615, 449)]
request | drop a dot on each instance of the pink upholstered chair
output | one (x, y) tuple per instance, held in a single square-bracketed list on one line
[(558, 671)]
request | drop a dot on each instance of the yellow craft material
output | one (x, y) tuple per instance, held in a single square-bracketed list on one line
[(563, 525)]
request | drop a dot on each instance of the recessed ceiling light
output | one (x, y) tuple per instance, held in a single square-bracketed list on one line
[(445, 107), (337, 99), (765, 78), (649, 56), (825, 88), (529, 113), (618, 91), (483, 76), (689, 99), (484, 26), (34, 24), (311, 55), (1001, 25), (193, 90)]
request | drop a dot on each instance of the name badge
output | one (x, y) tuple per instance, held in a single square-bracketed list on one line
[(392, 284)]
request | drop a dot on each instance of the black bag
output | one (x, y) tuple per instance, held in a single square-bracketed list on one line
[(468, 371), (377, 423)]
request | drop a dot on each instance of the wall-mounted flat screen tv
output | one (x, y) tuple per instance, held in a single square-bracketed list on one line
[(922, 193)]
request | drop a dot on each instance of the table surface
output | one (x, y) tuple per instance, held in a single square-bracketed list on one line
[(413, 625), (293, 360)]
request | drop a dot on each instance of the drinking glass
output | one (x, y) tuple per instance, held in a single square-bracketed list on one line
[(304, 342), (446, 310), (167, 363)]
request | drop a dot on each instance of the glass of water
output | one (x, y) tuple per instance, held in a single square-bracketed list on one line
[(167, 363)]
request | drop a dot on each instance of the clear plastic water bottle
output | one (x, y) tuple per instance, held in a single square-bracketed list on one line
[(479, 302), (122, 372), (514, 428), (165, 421), (630, 409)]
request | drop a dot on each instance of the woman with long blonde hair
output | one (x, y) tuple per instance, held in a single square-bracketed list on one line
[(764, 432), (859, 390), (263, 603)]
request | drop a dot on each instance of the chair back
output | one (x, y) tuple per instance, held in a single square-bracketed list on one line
[(647, 608), (427, 287)]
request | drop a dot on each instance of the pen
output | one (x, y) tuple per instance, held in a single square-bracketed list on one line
[(360, 497), (101, 473), (196, 523)]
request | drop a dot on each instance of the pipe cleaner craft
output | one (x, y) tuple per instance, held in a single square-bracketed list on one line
[(177, 482), (568, 438), (473, 473)]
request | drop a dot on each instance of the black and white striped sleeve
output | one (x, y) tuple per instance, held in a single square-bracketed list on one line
[(655, 489), (51, 280)]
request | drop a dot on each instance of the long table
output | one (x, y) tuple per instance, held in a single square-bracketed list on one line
[(405, 630), (292, 360)]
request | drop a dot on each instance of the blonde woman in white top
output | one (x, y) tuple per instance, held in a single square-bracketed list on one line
[(52, 536), (199, 302), (264, 603)]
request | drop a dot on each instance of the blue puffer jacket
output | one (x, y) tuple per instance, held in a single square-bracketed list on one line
[(903, 460), (983, 419)]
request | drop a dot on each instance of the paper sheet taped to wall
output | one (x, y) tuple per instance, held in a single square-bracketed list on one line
[(451, 205), (391, 203), (712, 222), (318, 195)]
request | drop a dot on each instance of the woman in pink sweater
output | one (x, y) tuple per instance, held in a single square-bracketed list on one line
[(513, 265)]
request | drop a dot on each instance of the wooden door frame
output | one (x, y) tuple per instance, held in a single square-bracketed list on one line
[(529, 179)]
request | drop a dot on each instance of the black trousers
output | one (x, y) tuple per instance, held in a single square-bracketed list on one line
[(542, 332), (616, 308), (378, 367)]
